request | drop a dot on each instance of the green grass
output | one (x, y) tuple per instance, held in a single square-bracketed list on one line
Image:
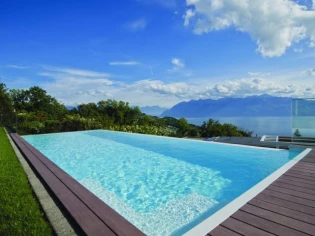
[(20, 212)]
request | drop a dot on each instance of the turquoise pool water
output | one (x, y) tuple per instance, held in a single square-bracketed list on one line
[(164, 186)]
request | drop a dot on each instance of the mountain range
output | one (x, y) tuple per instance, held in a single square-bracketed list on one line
[(263, 105), (153, 110)]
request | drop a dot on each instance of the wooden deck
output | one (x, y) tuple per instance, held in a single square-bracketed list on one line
[(90, 215), (286, 207)]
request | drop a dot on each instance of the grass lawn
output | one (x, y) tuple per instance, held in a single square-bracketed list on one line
[(20, 212)]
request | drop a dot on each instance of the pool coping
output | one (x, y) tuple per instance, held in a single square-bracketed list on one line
[(224, 213)]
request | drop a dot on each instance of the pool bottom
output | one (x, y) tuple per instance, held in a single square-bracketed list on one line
[(189, 207)]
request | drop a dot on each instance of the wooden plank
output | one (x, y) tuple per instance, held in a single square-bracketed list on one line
[(291, 198), (293, 187), (292, 192), (287, 204), (306, 167), (110, 217), (296, 168), (243, 228), (299, 172), (279, 219), (298, 176), (309, 160), (297, 182), (283, 211), (265, 225), (222, 231), (305, 164), (86, 219)]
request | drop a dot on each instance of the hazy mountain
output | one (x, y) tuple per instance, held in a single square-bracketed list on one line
[(70, 107), (153, 110), (264, 105)]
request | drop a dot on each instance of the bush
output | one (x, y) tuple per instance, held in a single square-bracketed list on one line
[(31, 127)]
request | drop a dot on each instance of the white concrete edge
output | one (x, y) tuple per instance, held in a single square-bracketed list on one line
[(217, 218), (159, 136)]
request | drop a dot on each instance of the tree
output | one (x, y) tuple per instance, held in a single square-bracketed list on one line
[(6, 107), (297, 133), (183, 127), (36, 99)]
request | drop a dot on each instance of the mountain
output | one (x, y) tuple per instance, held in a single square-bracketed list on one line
[(263, 105), (153, 110), (70, 107)]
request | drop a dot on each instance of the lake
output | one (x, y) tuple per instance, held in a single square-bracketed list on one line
[(259, 125)]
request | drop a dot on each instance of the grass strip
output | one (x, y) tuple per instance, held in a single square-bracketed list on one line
[(20, 212)]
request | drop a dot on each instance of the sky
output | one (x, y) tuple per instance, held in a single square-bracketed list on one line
[(158, 52)]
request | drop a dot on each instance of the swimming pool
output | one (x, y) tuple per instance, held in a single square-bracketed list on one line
[(162, 185)]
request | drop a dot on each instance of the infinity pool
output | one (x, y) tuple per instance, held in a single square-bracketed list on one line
[(164, 186)]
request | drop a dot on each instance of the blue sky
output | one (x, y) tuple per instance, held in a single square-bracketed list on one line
[(158, 52)]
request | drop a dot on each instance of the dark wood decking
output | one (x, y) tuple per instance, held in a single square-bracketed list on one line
[(90, 214), (286, 207)]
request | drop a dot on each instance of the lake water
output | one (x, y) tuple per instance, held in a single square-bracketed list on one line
[(259, 125)]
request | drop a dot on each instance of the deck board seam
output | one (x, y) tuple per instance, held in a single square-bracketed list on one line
[(276, 212), (292, 175), (248, 223), (275, 185), (231, 230), (290, 201), (223, 226), (286, 226), (313, 200), (302, 168), (293, 184), (299, 181), (284, 206)]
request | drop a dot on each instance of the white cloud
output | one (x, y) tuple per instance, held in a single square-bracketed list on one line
[(178, 67), (229, 88), (298, 49), (124, 63), (75, 86), (17, 67), (274, 25), (75, 72), (310, 72), (189, 14), (258, 74), (137, 25), (177, 62), (179, 89)]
